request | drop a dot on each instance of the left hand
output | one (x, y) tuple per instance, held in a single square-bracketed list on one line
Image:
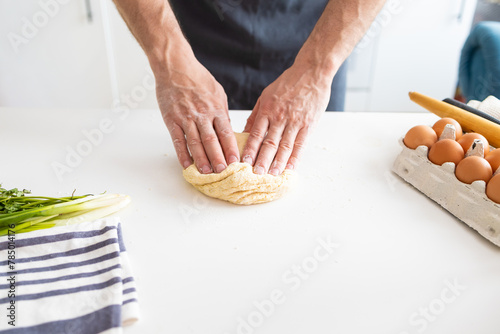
[(282, 118)]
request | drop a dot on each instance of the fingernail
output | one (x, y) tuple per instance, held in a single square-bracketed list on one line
[(186, 164), (219, 168), (247, 159), (206, 169), (290, 166), (258, 170), (275, 171), (232, 159)]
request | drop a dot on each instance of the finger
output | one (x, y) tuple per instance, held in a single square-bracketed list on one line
[(227, 139), (298, 148), (255, 138), (197, 150), (212, 146), (268, 149), (285, 150), (180, 146), (251, 118)]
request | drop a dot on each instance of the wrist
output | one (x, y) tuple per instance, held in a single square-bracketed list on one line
[(321, 66), (169, 55)]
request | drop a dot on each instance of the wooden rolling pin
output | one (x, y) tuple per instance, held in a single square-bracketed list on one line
[(467, 120)]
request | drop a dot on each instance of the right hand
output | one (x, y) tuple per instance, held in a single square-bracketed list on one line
[(194, 108)]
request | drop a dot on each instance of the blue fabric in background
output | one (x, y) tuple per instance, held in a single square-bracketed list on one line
[(479, 72)]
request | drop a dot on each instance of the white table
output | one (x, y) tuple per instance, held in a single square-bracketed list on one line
[(398, 262)]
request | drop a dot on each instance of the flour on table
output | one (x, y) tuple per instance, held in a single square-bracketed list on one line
[(238, 184)]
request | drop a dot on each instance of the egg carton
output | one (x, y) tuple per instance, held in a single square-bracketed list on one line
[(467, 202)]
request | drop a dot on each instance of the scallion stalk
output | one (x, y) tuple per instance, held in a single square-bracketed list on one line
[(21, 213)]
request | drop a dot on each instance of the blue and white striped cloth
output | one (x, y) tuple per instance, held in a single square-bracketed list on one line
[(73, 279)]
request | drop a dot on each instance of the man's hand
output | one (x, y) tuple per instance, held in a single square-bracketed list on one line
[(193, 104), (282, 118), (286, 110), (194, 107)]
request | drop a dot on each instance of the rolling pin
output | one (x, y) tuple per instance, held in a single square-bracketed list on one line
[(467, 120), (472, 110)]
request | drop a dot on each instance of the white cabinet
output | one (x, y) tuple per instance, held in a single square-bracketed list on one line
[(52, 55), (414, 46), (70, 54), (134, 78)]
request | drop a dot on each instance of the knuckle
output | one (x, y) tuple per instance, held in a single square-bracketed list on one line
[(286, 146), (201, 117), (210, 138), (270, 107), (225, 132), (267, 106), (271, 143), (299, 146), (204, 108), (186, 122), (256, 134), (172, 128), (279, 116), (194, 142), (291, 130), (200, 111), (178, 142)]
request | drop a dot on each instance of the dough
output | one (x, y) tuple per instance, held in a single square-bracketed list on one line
[(238, 184)]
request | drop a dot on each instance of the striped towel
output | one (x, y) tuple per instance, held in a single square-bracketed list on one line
[(72, 279)]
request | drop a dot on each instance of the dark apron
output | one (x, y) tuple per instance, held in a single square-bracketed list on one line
[(247, 44)]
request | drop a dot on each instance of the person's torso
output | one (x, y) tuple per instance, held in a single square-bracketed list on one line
[(247, 44), (246, 27)]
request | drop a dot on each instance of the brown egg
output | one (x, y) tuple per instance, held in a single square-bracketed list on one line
[(493, 189), (493, 157), (468, 138), (439, 127), (446, 150), (420, 135), (473, 168)]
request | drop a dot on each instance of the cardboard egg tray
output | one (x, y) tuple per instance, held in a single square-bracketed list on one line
[(467, 202)]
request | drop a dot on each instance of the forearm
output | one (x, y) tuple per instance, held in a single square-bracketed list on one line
[(193, 104), (340, 27), (155, 27)]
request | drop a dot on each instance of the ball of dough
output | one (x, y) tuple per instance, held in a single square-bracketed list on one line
[(238, 184)]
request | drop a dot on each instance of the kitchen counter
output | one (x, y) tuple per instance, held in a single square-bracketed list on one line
[(351, 249)]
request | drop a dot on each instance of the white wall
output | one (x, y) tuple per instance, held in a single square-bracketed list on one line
[(51, 56), (412, 46)]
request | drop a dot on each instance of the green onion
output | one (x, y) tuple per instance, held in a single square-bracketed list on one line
[(21, 213)]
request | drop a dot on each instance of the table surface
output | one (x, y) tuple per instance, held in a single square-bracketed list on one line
[(351, 249)]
